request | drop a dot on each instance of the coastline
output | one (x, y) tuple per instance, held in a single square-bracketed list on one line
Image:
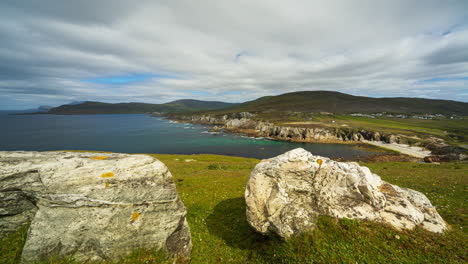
[(401, 149)]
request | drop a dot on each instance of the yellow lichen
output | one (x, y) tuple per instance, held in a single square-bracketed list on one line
[(107, 175), (135, 216), (319, 161), (100, 158), (107, 185)]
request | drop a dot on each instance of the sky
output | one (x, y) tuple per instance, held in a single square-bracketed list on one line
[(54, 52)]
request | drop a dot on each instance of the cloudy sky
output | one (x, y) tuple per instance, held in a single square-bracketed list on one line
[(54, 51)]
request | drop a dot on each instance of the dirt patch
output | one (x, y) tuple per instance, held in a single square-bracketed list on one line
[(390, 158)]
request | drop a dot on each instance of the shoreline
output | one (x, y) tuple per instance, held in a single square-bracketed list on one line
[(416, 152), (401, 149)]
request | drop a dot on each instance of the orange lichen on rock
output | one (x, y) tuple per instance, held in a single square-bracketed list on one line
[(319, 161), (135, 216), (99, 158), (107, 175)]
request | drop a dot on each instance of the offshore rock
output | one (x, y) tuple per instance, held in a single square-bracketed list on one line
[(286, 195), (91, 206)]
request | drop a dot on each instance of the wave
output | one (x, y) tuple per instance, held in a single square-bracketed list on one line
[(208, 132)]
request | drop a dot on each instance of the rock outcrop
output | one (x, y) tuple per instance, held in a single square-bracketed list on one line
[(91, 206), (213, 120), (442, 151), (286, 195)]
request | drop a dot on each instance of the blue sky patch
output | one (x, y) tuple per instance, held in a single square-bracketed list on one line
[(130, 78), (443, 79)]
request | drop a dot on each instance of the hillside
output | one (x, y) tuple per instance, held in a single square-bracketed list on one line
[(335, 102), (186, 105)]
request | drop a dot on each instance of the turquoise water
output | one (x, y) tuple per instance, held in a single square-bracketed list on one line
[(143, 134)]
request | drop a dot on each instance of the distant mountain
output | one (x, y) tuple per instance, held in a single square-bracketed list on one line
[(186, 105), (335, 102), (40, 109)]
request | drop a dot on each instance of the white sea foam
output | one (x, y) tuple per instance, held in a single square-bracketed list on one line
[(208, 132)]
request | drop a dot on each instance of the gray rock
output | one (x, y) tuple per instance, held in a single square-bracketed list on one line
[(91, 206), (286, 194)]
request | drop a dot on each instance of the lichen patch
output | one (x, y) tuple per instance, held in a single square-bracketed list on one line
[(319, 162), (135, 216), (107, 175), (99, 158)]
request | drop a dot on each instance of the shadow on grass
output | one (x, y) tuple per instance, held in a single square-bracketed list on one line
[(228, 221)]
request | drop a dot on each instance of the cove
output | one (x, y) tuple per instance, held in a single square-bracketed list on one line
[(139, 133)]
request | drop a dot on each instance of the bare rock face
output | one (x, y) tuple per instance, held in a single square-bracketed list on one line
[(91, 206), (286, 194)]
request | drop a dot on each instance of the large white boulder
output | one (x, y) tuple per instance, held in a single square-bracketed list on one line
[(286, 194), (91, 206)]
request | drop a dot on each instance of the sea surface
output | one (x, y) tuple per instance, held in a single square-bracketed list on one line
[(139, 133)]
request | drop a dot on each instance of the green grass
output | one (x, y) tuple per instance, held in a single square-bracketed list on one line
[(212, 188), (12, 245)]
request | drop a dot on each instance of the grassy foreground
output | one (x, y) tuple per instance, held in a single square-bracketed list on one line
[(212, 188)]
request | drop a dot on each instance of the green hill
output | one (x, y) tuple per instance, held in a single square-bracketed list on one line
[(186, 105), (335, 102)]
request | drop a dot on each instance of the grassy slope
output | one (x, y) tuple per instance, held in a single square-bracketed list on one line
[(212, 188), (334, 102)]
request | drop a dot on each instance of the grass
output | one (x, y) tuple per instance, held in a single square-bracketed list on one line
[(212, 188), (12, 245)]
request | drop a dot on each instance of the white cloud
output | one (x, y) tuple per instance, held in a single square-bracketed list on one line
[(371, 48)]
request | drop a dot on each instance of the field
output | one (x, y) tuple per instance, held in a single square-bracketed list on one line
[(212, 188)]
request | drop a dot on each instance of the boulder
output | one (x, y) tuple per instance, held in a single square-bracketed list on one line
[(286, 195), (91, 206)]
